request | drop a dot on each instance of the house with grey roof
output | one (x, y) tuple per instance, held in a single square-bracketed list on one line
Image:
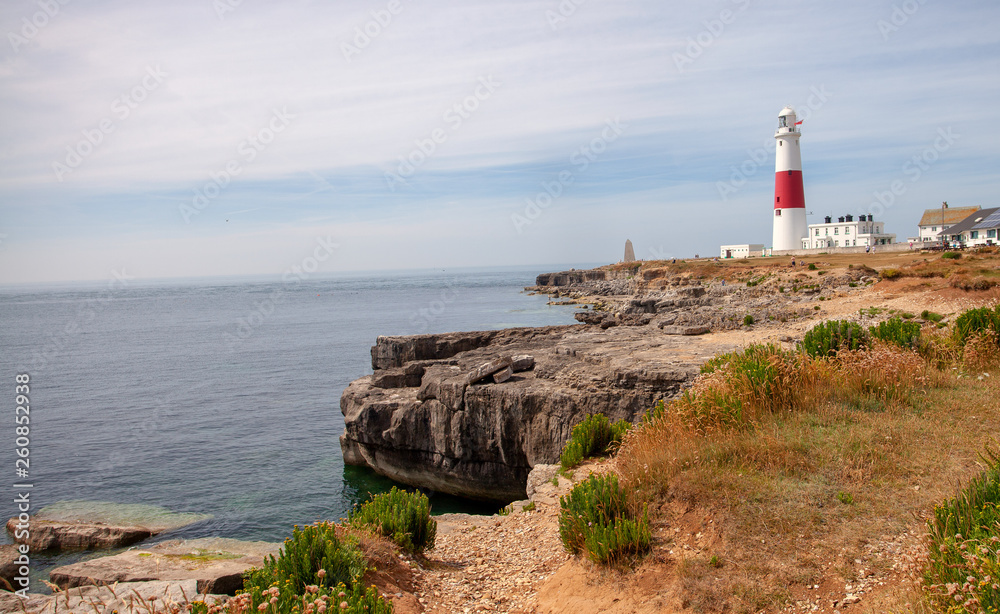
[(979, 228)]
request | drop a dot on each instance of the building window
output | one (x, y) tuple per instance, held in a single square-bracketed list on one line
[(975, 234), (991, 234), (777, 213), (817, 232), (827, 233), (933, 228), (847, 230), (836, 231), (836, 243)]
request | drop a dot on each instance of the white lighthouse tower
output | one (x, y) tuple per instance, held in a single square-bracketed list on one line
[(789, 198)]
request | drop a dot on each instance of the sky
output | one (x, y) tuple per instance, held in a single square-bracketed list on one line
[(236, 137)]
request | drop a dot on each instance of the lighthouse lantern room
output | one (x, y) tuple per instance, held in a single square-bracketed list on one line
[(789, 198)]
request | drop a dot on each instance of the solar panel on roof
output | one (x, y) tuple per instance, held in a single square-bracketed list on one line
[(992, 221)]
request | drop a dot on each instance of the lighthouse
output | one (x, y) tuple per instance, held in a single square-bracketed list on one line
[(789, 199)]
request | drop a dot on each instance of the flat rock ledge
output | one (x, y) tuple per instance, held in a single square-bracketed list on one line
[(470, 414), (124, 598), (216, 565), (54, 535), (86, 525)]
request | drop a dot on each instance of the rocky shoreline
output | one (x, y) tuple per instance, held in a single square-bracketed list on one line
[(483, 415), (430, 415)]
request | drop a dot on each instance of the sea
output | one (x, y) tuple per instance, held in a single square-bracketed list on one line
[(221, 396)]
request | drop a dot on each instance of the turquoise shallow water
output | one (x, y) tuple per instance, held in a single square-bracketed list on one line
[(221, 397)]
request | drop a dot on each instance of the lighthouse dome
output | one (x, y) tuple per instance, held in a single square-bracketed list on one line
[(787, 119)]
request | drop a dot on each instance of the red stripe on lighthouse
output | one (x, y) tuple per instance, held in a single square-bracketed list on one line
[(788, 192)]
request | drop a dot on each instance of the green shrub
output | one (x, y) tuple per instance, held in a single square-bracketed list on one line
[(951, 255), (313, 561), (828, 338), (305, 553), (404, 517), (964, 538), (812, 266), (896, 330), (890, 274), (748, 320), (975, 321), (930, 316), (594, 436), (596, 519)]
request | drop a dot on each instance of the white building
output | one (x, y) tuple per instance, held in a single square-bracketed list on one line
[(847, 232), (937, 220), (742, 251)]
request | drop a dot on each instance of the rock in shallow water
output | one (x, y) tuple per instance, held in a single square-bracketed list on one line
[(82, 525)]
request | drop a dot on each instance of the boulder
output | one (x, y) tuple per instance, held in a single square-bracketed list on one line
[(522, 362), (540, 474), (502, 376), (8, 565), (215, 564), (487, 369)]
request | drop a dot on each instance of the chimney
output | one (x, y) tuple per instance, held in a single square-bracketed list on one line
[(828, 219), (871, 218), (840, 219), (850, 218)]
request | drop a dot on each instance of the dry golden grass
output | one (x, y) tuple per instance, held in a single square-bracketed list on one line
[(977, 270), (841, 455)]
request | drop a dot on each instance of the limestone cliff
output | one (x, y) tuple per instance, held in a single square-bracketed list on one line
[(424, 419)]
